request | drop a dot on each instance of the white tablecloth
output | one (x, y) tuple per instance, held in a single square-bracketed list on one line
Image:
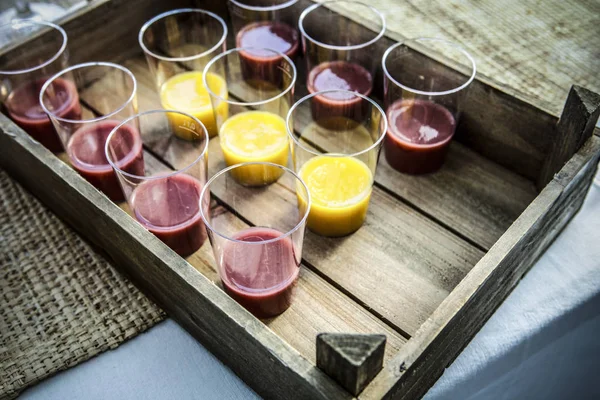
[(541, 343)]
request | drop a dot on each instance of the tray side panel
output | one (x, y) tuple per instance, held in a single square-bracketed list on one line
[(437, 343), (105, 30), (230, 332)]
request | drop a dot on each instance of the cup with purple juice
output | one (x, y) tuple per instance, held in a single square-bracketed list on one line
[(22, 75), (165, 201), (423, 99), (264, 24), (342, 61), (83, 137), (259, 263)]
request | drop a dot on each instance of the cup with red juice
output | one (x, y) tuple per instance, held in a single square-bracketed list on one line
[(166, 201), (264, 24), (424, 99), (24, 70), (259, 264), (84, 137), (341, 61)]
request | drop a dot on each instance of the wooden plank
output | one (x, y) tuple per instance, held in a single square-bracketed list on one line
[(422, 360), (575, 126), (518, 143), (420, 261), (224, 327)]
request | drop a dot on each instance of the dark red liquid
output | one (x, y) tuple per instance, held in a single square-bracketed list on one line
[(418, 136), (23, 106), (262, 65), (339, 75), (86, 152), (169, 208), (261, 277)]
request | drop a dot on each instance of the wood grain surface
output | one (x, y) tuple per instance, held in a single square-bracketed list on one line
[(537, 49), (419, 260)]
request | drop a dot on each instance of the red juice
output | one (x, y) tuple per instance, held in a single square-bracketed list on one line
[(261, 277), (87, 155), (418, 136), (169, 207), (339, 75), (23, 106), (261, 65)]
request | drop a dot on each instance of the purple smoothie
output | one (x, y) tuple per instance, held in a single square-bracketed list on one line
[(261, 277), (86, 152), (418, 136), (339, 75), (261, 65), (23, 106), (169, 207)]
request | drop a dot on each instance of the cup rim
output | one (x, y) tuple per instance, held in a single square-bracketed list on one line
[(264, 8), (334, 47), (150, 178), (253, 103), (151, 21), (81, 66), (318, 153), (429, 39), (48, 61), (206, 188)]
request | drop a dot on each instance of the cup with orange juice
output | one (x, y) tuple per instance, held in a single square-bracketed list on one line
[(336, 157), (178, 44), (254, 129)]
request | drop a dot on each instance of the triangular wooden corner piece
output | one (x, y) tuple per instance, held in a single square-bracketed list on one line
[(352, 360)]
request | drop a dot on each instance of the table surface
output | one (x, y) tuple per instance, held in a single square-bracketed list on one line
[(540, 343)]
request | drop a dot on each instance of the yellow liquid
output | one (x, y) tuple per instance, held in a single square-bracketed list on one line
[(186, 92), (255, 136), (340, 189)]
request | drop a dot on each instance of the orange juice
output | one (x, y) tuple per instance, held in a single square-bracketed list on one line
[(186, 92), (255, 136), (340, 189)]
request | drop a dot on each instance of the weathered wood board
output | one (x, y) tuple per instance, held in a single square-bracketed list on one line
[(533, 49)]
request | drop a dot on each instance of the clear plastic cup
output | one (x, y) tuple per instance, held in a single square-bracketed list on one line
[(23, 73), (84, 136), (178, 44), (270, 24), (259, 264), (254, 129), (337, 158), (339, 53), (164, 201), (423, 99)]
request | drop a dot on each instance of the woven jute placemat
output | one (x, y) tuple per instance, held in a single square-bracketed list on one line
[(61, 302)]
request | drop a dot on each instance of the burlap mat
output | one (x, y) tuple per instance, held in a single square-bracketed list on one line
[(60, 301)]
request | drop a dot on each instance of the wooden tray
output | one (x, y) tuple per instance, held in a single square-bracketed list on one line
[(437, 254)]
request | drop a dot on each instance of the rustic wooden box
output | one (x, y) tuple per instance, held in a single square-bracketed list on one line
[(436, 257)]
